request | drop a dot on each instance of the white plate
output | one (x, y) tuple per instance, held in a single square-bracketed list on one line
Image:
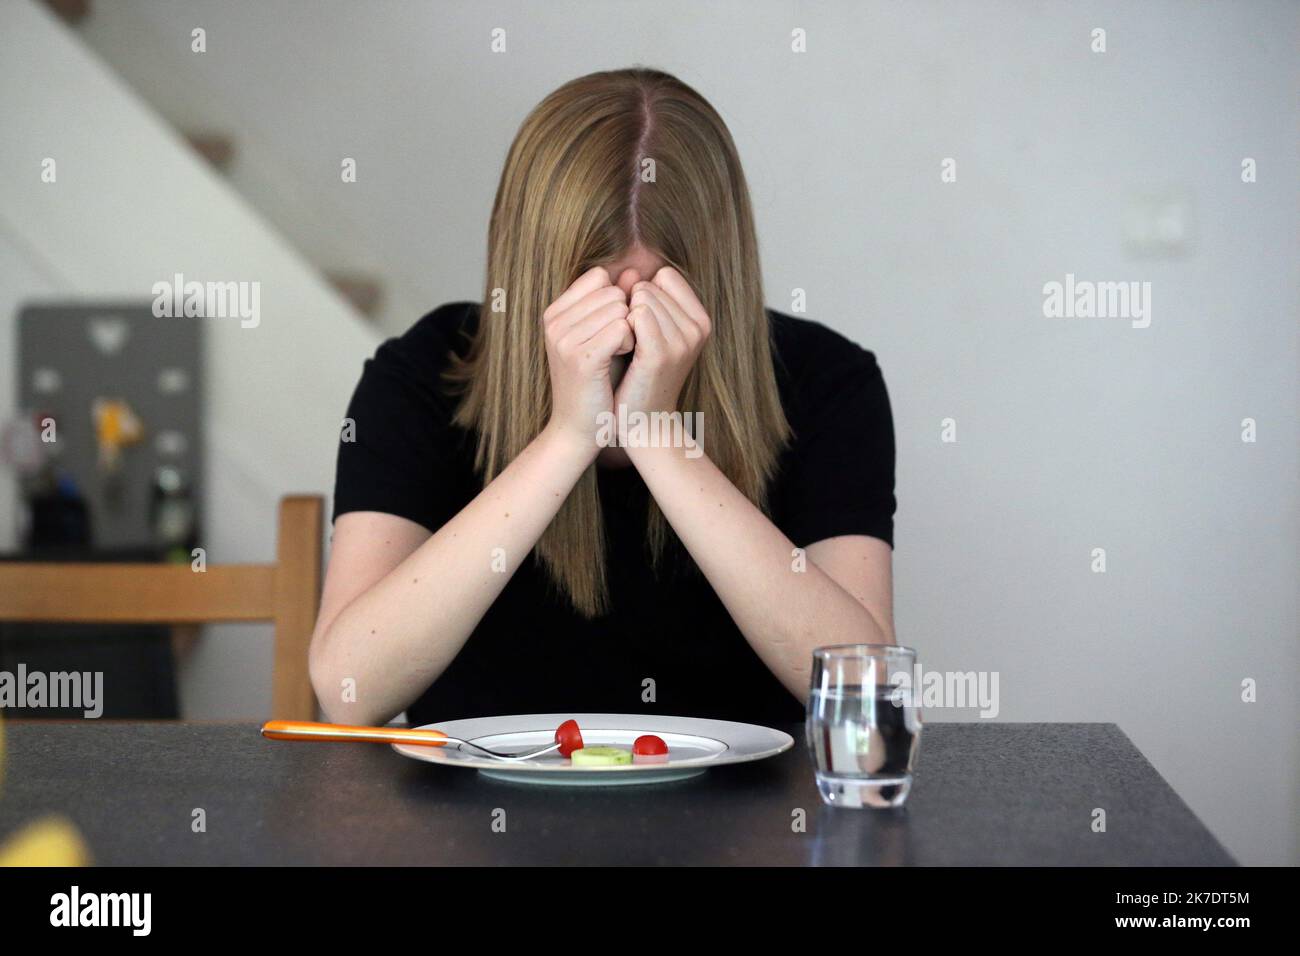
[(694, 745)]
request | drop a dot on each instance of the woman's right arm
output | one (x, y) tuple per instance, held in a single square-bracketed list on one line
[(398, 602)]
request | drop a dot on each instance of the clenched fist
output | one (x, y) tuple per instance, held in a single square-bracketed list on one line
[(585, 328)]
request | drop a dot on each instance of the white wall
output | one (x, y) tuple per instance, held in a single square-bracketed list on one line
[(1072, 434), (132, 206), (290, 183)]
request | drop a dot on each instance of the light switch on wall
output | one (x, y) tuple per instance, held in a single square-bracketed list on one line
[(1159, 225)]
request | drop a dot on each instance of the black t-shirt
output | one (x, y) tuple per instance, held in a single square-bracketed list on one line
[(532, 653)]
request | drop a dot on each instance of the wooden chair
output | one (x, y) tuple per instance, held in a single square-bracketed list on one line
[(286, 593)]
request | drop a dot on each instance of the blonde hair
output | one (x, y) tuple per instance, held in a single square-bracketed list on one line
[(572, 195)]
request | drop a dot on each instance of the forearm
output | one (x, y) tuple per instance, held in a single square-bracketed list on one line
[(783, 613), (397, 637)]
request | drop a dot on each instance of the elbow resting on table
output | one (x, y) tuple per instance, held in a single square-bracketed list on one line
[(325, 666)]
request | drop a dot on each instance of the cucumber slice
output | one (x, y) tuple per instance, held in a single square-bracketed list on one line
[(600, 757)]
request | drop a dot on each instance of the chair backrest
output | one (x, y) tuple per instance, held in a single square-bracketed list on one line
[(286, 593)]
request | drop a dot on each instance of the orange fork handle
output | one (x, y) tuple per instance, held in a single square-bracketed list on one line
[(308, 730)]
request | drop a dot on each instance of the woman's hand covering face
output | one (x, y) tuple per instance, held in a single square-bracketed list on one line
[(671, 327), (662, 324), (584, 329)]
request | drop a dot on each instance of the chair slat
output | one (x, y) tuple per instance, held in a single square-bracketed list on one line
[(286, 593), (297, 600), (136, 593)]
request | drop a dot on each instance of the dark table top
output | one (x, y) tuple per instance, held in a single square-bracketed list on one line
[(985, 793)]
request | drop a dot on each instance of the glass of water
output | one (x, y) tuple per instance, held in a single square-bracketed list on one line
[(864, 723)]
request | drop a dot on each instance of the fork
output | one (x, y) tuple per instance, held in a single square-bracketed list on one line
[(309, 730)]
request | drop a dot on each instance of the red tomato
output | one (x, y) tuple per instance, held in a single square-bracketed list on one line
[(649, 746), (569, 737)]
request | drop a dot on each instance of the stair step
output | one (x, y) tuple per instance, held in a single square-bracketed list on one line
[(217, 148), (70, 11), (363, 291)]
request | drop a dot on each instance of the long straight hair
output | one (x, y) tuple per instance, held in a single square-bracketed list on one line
[(607, 162)]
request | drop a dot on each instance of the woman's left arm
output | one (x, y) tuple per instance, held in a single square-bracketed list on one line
[(785, 607), (838, 592)]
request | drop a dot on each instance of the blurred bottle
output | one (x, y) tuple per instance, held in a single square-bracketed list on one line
[(172, 513), (59, 516)]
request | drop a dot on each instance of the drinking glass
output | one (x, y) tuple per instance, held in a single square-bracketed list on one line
[(863, 724)]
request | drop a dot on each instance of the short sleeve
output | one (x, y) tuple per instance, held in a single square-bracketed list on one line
[(842, 456), (401, 457)]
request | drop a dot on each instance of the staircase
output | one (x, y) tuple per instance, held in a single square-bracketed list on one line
[(132, 203), (226, 138)]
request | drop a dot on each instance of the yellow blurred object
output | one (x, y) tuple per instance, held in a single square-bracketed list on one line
[(116, 427), (52, 841)]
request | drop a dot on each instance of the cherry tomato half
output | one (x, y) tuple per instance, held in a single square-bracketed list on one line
[(649, 745), (569, 737)]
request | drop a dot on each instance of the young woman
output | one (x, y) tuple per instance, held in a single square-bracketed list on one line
[(492, 556)]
